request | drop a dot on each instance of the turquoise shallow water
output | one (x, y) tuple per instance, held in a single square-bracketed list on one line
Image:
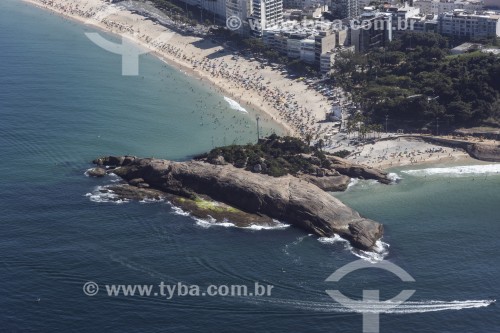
[(63, 102)]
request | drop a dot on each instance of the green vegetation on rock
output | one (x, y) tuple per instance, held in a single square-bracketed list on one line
[(210, 205), (275, 156)]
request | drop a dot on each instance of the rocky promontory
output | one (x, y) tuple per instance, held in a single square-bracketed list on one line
[(286, 198)]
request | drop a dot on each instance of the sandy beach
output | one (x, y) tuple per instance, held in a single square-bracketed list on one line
[(284, 101), (289, 103), (407, 151), (397, 151)]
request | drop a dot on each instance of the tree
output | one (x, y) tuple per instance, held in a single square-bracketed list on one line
[(398, 80)]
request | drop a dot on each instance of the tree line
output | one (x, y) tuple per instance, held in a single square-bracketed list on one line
[(415, 82)]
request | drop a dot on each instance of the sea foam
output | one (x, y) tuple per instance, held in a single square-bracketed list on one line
[(235, 105), (104, 194), (394, 177), (457, 171), (211, 222), (380, 251)]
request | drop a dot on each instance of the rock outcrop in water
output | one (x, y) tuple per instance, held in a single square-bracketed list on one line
[(96, 172), (484, 152), (286, 198), (346, 168), (278, 156)]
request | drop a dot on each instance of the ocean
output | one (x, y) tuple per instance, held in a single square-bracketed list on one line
[(63, 102)]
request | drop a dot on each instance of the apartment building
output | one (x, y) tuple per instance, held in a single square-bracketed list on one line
[(342, 9), (306, 44), (467, 24), (217, 7), (376, 30), (268, 13), (437, 7)]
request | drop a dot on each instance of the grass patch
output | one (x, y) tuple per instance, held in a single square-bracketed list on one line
[(214, 206)]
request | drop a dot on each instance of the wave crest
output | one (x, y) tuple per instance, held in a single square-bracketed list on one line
[(235, 105), (458, 171), (104, 194), (380, 251)]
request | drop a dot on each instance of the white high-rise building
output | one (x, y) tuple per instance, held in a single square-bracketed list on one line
[(437, 7), (267, 13), (469, 24), (263, 14)]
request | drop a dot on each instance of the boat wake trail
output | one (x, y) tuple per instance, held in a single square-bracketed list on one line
[(382, 307)]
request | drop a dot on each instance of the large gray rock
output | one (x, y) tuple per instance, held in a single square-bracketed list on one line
[(329, 183), (484, 152), (96, 172), (285, 198), (353, 170)]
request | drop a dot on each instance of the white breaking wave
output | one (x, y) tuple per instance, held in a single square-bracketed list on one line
[(361, 182), (466, 170), (276, 226), (394, 177), (378, 254), (211, 222), (235, 105), (104, 194), (353, 182), (179, 211), (383, 307), (114, 177), (152, 200)]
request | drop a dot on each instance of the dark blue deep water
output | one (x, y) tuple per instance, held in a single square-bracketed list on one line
[(63, 102)]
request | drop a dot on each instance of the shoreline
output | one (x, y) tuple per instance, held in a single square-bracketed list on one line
[(175, 64), (263, 102), (406, 151), (223, 76)]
